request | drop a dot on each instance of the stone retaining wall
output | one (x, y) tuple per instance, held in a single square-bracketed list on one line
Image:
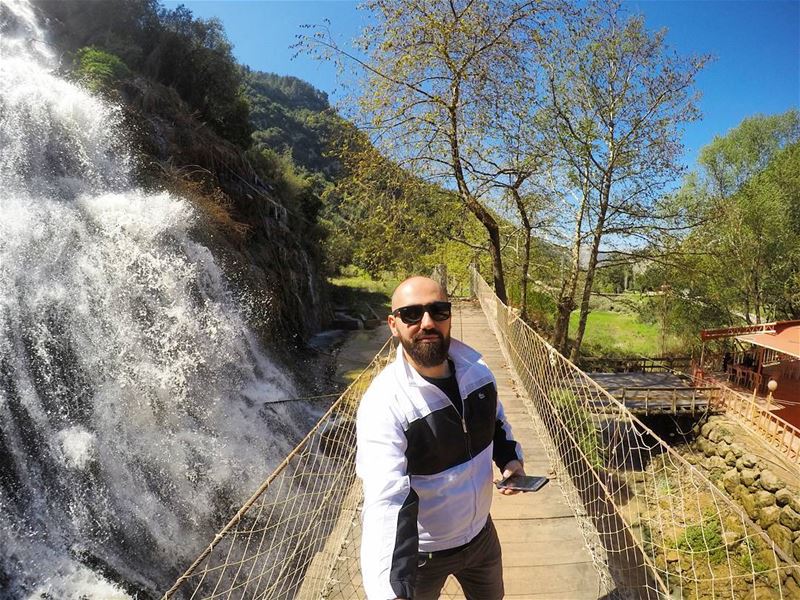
[(766, 499)]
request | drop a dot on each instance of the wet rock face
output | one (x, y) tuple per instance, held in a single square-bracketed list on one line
[(764, 497)]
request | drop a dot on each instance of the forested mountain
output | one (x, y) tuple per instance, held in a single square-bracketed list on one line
[(291, 116)]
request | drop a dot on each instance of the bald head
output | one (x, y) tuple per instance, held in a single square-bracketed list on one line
[(417, 290)]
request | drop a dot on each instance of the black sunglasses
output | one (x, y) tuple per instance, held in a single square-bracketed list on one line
[(412, 314)]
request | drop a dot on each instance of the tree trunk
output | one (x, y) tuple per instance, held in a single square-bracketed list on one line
[(587, 294), (485, 217), (525, 268), (564, 308), (605, 194), (475, 207), (566, 299), (526, 260)]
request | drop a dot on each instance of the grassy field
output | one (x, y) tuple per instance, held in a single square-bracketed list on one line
[(622, 334), (358, 292)]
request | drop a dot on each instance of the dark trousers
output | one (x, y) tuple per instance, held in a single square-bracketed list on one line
[(478, 567)]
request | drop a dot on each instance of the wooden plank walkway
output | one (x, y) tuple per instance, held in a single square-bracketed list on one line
[(544, 556)]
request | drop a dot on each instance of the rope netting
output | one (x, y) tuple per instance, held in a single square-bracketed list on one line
[(655, 525), (286, 539)]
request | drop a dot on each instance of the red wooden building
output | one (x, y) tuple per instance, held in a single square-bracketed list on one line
[(763, 353)]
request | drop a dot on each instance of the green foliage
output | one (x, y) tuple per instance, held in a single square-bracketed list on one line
[(705, 538), (291, 116), (99, 70), (750, 556), (358, 290), (578, 420), (730, 161), (382, 217), (300, 192), (743, 264), (191, 55)]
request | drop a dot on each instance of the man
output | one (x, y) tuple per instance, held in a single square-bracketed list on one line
[(428, 429)]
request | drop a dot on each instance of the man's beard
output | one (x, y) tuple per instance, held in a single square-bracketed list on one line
[(427, 354)]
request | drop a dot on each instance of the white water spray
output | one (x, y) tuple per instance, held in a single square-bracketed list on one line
[(132, 415)]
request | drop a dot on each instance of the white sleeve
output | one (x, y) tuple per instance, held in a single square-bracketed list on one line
[(389, 543)]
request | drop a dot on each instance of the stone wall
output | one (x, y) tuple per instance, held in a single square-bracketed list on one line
[(767, 500)]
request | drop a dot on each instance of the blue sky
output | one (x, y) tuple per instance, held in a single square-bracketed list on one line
[(756, 45)]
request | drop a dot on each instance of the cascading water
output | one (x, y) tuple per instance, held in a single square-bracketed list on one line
[(132, 394)]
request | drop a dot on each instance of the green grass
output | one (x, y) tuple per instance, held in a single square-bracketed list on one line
[(705, 537), (611, 333), (356, 292)]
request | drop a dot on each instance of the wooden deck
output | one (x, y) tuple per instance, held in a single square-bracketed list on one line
[(645, 393)]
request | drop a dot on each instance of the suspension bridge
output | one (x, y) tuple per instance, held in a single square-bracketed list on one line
[(626, 516)]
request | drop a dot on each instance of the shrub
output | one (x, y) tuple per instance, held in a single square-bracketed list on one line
[(99, 70)]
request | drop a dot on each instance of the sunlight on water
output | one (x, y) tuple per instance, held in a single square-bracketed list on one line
[(132, 391)]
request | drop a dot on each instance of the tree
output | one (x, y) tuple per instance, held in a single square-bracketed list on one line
[(743, 266), (618, 99), (384, 218), (729, 161), (432, 74)]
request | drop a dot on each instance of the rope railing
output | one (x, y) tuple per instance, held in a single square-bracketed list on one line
[(655, 526), (284, 541)]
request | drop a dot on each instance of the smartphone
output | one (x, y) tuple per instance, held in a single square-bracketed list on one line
[(523, 483)]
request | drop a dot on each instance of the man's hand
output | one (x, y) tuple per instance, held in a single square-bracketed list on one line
[(513, 467)]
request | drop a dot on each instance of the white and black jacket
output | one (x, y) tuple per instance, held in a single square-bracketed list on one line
[(427, 472)]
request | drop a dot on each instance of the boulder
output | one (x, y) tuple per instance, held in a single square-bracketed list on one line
[(790, 518), (733, 523), (749, 460), (748, 477), (764, 498), (741, 490), (710, 449), (706, 429), (783, 496), (715, 435), (768, 515), (791, 585), (730, 459), (769, 481), (716, 463), (782, 536), (672, 556), (730, 480), (761, 591), (796, 549), (748, 502), (731, 538), (737, 450)]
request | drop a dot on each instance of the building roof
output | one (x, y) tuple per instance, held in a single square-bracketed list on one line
[(785, 339)]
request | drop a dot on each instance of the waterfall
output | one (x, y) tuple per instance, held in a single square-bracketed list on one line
[(132, 393)]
